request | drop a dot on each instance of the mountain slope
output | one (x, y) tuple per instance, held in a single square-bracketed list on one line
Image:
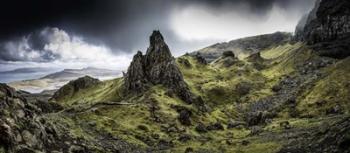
[(234, 96), (245, 46), (247, 109), (286, 98)]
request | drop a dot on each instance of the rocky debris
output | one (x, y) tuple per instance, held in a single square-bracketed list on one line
[(154, 110), (19, 129), (215, 127), (165, 144), (25, 127), (330, 138), (74, 86), (202, 128), (156, 67), (327, 28), (313, 65), (172, 128), (286, 92)]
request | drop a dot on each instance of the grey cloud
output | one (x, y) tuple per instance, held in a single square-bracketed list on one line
[(123, 25)]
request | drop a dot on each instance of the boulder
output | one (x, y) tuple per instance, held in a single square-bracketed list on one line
[(184, 117), (234, 124), (201, 128), (215, 127), (228, 54)]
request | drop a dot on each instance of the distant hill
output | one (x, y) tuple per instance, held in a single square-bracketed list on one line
[(245, 46), (76, 73), (24, 74), (58, 79), (26, 70)]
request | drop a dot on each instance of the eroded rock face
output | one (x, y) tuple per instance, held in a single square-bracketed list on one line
[(21, 130), (156, 67), (327, 28)]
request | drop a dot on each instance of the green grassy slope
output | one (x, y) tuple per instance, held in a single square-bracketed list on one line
[(152, 118)]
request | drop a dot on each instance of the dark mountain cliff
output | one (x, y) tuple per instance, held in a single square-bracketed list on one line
[(327, 28)]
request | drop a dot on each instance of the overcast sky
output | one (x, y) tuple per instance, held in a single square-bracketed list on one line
[(105, 33)]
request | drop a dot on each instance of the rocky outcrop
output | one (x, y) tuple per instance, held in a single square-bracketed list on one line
[(156, 67), (327, 28), (331, 138), (21, 130), (29, 126)]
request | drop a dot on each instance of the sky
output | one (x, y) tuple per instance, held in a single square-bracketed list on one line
[(106, 33)]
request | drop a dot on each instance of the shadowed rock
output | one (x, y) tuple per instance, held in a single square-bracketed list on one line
[(156, 67), (327, 28)]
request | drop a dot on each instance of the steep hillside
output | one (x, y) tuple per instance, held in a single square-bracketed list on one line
[(283, 97), (267, 102), (245, 46)]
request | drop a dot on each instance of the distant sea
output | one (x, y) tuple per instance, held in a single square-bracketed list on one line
[(11, 77)]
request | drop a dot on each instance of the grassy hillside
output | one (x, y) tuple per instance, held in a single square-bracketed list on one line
[(284, 89), (245, 46)]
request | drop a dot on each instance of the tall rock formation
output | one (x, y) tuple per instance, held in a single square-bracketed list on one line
[(156, 67), (327, 28)]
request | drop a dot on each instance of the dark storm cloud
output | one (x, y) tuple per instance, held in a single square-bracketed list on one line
[(121, 24)]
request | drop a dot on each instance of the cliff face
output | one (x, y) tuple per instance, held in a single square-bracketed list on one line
[(156, 67), (327, 28)]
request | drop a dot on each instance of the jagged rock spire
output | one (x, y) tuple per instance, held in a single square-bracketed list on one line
[(156, 67)]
